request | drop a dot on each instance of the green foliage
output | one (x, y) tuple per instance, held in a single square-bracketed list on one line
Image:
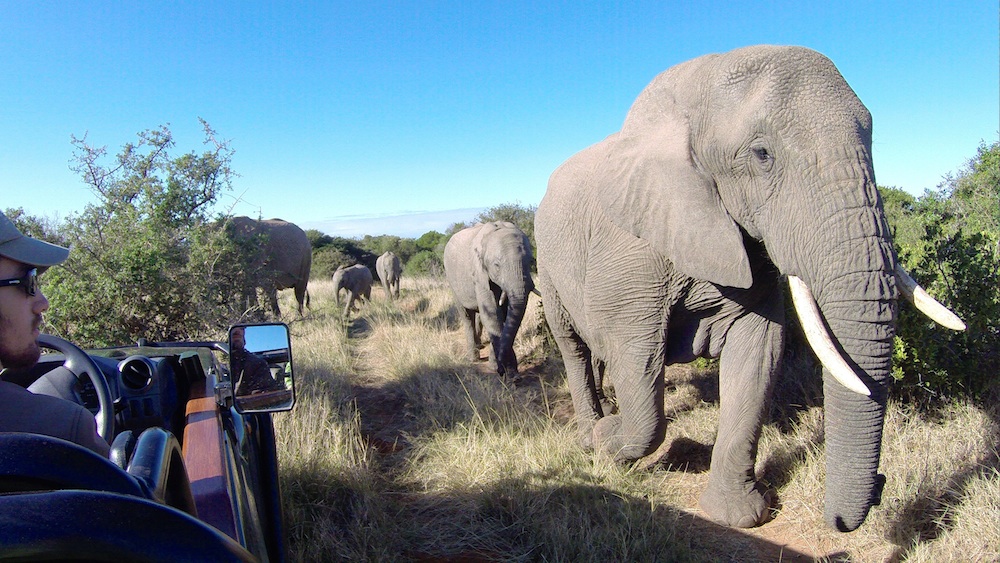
[(425, 263), (147, 261), (404, 248), (431, 240), (336, 252), (522, 216), (974, 195), (35, 227), (318, 239), (325, 262), (948, 241)]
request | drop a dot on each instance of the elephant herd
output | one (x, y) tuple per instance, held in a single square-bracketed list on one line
[(673, 238)]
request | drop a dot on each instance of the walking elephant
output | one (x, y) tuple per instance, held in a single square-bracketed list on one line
[(283, 261), (488, 267), (669, 240), (388, 268), (357, 280)]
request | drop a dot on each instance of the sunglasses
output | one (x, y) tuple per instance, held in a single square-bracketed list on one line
[(29, 282)]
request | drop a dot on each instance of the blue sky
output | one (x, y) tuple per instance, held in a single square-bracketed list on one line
[(402, 117)]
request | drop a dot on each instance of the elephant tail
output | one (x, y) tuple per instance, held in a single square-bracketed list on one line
[(307, 299)]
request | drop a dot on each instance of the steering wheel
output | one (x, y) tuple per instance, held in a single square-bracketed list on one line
[(77, 367)]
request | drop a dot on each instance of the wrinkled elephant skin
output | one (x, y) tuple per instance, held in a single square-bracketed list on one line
[(284, 260), (388, 268), (670, 239), (488, 267), (357, 281)]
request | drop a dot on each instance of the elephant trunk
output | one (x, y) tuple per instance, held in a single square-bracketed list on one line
[(856, 293), (853, 421), (515, 306)]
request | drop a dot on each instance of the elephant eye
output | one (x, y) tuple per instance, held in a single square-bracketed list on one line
[(765, 160)]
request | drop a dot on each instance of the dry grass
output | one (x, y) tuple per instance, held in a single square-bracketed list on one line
[(400, 449)]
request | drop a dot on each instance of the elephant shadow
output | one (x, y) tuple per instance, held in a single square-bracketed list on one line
[(797, 391), (449, 319), (359, 327), (690, 456), (422, 305)]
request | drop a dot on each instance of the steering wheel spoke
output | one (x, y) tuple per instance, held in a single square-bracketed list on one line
[(78, 367)]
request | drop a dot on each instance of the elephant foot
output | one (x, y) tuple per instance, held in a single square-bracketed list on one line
[(745, 507), (585, 430), (611, 439)]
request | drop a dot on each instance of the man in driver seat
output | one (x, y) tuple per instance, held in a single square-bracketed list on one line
[(22, 259)]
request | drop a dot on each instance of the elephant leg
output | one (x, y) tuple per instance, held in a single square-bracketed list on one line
[(579, 367), (349, 303), (301, 296), (469, 322), (748, 367), (272, 299), (640, 425)]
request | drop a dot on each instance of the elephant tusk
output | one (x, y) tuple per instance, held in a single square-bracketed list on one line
[(925, 303), (503, 299), (819, 338)]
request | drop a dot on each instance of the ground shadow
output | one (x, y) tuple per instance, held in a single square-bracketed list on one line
[(534, 517)]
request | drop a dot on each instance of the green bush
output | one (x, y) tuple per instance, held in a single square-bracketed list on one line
[(424, 263), (949, 241), (960, 271), (148, 260)]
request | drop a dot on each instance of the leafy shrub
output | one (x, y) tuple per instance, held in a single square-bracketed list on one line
[(148, 260), (424, 263), (960, 271), (949, 241)]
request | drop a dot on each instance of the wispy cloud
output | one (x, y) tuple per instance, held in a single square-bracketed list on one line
[(408, 225)]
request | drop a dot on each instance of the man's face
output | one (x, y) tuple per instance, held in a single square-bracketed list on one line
[(20, 318), (237, 339)]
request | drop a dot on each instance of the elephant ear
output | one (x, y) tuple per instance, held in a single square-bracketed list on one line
[(480, 269), (650, 186)]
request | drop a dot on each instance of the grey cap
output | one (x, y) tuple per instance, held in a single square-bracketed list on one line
[(27, 250)]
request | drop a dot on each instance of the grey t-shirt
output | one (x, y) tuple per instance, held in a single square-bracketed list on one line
[(24, 411)]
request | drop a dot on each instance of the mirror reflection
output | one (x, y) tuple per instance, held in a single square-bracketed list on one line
[(260, 364)]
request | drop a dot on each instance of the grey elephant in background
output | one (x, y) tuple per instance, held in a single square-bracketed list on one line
[(389, 269), (357, 281), (488, 267), (669, 240), (283, 261)]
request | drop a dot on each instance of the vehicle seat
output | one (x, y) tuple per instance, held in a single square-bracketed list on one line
[(33, 462), (155, 468)]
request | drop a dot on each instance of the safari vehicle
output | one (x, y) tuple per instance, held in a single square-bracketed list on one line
[(192, 475)]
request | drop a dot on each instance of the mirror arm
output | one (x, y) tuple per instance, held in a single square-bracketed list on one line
[(224, 394)]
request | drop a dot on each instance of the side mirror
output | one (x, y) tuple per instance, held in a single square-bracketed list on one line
[(260, 365)]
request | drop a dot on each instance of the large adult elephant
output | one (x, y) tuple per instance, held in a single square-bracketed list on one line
[(283, 259), (389, 269), (357, 281), (668, 241), (488, 267)]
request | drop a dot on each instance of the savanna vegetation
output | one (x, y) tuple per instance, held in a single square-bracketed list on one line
[(401, 449)]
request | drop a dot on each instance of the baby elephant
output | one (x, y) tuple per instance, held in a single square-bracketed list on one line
[(357, 280), (388, 268), (488, 267)]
